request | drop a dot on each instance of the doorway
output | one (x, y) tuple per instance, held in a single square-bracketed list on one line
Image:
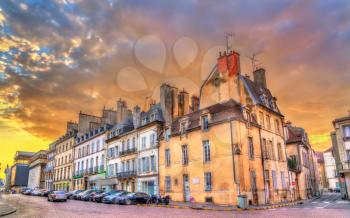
[(186, 188)]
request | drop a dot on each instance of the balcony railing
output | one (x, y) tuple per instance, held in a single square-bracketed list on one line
[(126, 175), (128, 151)]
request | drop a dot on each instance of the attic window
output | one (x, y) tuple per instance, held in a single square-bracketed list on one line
[(153, 117), (205, 122), (183, 127)]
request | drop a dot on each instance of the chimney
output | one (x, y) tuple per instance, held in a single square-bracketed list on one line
[(183, 103), (259, 77), (122, 111), (169, 102), (229, 62), (195, 103), (149, 102), (136, 116)]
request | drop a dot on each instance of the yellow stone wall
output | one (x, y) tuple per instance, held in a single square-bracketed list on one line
[(225, 187)]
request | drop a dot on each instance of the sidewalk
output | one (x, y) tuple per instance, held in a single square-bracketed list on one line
[(6, 209), (215, 207)]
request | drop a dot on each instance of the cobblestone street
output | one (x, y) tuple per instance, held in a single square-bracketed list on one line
[(330, 205)]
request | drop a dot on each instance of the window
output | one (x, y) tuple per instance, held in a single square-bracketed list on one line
[(98, 145), (346, 130), (153, 139), (133, 142), (251, 147), (153, 163), (167, 157), (208, 184), (280, 152), (268, 121), (283, 180), (271, 150), (183, 127), (261, 118), (116, 168), (167, 134), (274, 179), (205, 123), (277, 126), (184, 155), (143, 142), (206, 151), (348, 155), (128, 144), (167, 184), (143, 164)]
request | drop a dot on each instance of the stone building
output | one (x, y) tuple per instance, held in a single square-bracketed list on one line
[(132, 156), (322, 170), (20, 170), (301, 161), (236, 127), (331, 170), (89, 158), (64, 159), (36, 178), (341, 150), (49, 169)]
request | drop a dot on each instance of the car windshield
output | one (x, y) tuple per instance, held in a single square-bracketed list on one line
[(59, 192), (130, 194)]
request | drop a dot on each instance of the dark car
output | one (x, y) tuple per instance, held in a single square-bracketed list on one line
[(46, 193), (81, 194), (70, 195), (89, 197), (99, 197), (134, 198), (114, 198), (24, 190)]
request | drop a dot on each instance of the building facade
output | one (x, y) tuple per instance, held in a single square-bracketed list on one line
[(331, 170), (49, 169), (236, 127), (20, 170), (89, 159), (64, 162), (302, 161), (37, 164), (132, 158), (341, 150)]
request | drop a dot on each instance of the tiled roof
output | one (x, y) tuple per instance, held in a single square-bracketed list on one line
[(295, 134), (260, 95), (219, 112)]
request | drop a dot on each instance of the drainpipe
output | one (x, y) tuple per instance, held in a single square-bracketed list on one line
[(233, 153), (263, 164)]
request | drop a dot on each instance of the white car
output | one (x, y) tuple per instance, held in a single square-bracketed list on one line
[(57, 196)]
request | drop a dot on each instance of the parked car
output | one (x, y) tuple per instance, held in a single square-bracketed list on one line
[(157, 199), (57, 196), (36, 192), (89, 196), (99, 197), (24, 190), (336, 189), (81, 195), (114, 198), (72, 194), (28, 191), (45, 193), (134, 198)]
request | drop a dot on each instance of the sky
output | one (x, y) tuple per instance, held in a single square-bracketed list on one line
[(59, 57)]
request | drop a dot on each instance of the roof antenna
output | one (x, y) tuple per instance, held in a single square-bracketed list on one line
[(228, 37), (254, 60)]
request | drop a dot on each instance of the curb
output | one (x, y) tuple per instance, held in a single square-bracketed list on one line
[(13, 210), (220, 209)]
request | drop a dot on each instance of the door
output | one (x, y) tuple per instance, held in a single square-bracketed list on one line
[(186, 187), (150, 187)]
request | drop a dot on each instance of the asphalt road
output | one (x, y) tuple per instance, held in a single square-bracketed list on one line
[(329, 206)]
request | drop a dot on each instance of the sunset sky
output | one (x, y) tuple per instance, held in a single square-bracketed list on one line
[(59, 57)]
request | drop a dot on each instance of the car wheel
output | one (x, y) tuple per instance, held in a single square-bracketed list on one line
[(128, 202)]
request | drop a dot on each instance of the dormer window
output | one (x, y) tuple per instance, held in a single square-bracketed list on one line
[(144, 120), (205, 122), (167, 134), (152, 117), (183, 127)]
